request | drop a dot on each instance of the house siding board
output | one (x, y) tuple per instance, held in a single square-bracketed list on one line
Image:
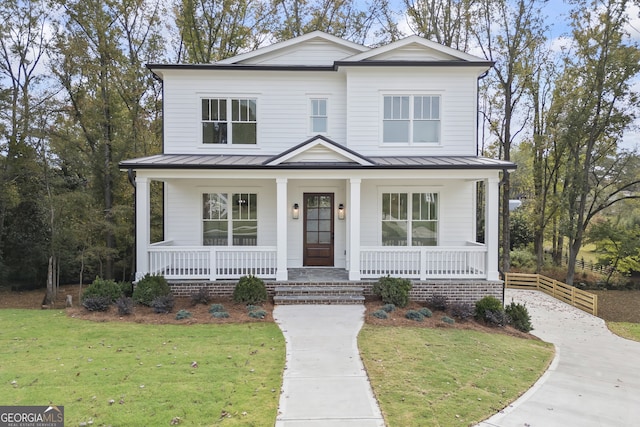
[(283, 112), (365, 87)]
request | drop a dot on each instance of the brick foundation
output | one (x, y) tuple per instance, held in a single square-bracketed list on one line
[(467, 291)]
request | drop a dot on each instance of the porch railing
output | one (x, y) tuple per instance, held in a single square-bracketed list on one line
[(211, 262), (424, 262)]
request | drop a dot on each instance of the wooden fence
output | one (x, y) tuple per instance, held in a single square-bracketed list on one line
[(569, 294)]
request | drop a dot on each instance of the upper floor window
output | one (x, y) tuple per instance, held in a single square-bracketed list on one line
[(411, 119), (229, 121), (319, 118)]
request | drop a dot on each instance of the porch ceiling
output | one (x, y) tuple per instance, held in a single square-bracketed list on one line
[(207, 161)]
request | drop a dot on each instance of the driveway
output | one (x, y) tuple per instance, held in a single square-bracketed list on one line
[(594, 379)]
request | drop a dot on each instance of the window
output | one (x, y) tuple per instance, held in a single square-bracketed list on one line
[(409, 219), (318, 117), (229, 121), (411, 119), (234, 224)]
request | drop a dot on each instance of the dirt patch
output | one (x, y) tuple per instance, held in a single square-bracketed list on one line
[(397, 318), (618, 306)]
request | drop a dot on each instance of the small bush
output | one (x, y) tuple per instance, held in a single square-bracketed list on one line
[(200, 297), (183, 314), (380, 314), (216, 308), (163, 304), (393, 290), (425, 312), (125, 305), (414, 315), (126, 288), (388, 308), (438, 302), (250, 290), (485, 304), (448, 320), (103, 288), (149, 288), (258, 314), (496, 318), (522, 259), (220, 314), (519, 317), (252, 307), (96, 303), (462, 310)]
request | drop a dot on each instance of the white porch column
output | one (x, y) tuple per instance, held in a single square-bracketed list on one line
[(281, 228), (143, 226), (491, 222), (353, 213)]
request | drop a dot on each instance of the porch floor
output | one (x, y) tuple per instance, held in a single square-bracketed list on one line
[(318, 275)]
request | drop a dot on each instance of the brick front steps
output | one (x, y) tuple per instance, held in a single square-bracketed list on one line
[(318, 295)]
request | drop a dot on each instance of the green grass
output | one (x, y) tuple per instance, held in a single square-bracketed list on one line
[(630, 331), (444, 377), (133, 374)]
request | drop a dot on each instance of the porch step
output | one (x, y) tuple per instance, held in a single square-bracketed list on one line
[(318, 295)]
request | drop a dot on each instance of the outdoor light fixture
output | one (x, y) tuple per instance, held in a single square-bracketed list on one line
[(295, 214), (341, 211)]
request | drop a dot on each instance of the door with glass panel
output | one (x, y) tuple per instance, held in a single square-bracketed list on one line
[(318, 230)]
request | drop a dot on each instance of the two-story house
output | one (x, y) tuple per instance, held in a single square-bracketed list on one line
[(318, 151)]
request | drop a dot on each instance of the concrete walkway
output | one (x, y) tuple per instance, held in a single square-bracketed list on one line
[(594, 379), (324, 382)]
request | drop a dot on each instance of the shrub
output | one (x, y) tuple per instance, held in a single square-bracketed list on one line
[(183, 314), (103, 288), (250, 290), (220, 314), (414, 315), (258, 314), (200, 297), (496, 318), (425, 312), (522, 259), (216, 308), (519, 317), (97, 303), (448, 320), (393, 290), (163, 304), (462, 310), (388, 308), (252, 307), (380, 314), (125, 305), (126, 288), (149, 288), (438, 302), (485, 304)]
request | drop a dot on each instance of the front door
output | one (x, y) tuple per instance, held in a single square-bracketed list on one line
[(318, 229)]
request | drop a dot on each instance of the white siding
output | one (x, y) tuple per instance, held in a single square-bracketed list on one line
[(283, 110), (456, 210), (456, 86), (316, 52)]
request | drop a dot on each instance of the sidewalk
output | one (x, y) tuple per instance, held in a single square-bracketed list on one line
[(324, 382), (594, 380)]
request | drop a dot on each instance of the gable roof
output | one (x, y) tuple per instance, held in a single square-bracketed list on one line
[(319, 149), (344, 47)]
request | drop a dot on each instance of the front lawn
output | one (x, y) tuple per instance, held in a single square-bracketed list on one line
[(448, 377), (117, 373), (630, 331)]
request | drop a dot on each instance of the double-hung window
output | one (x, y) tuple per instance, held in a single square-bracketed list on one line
[(229, 121), (411, 119), (318, 118), (229, 219), (409, 219)]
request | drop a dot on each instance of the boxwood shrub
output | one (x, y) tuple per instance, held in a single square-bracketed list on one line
[(250, 290), (393, 290), (149, 288), (103, 288)]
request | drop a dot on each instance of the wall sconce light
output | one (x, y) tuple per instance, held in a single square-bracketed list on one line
[(341, 211), (295, 213)]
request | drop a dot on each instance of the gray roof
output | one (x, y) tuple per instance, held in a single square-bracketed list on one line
[(207, 161)]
